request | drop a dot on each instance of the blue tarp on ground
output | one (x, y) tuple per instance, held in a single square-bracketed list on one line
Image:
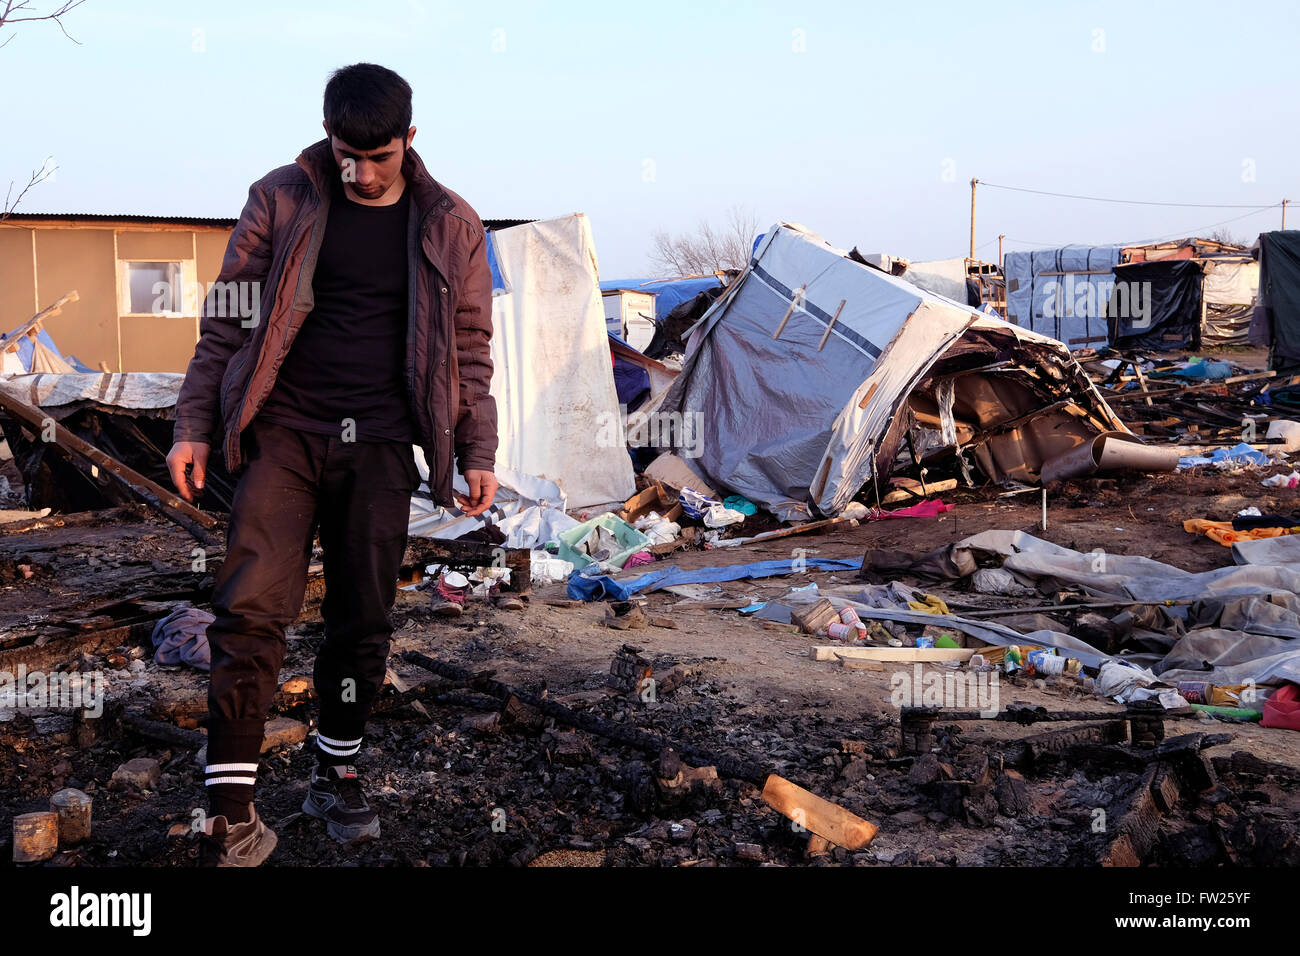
[(1061, 292), (605, 587), (671, 292)]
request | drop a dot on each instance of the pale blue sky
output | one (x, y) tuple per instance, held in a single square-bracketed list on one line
[(533, 110)]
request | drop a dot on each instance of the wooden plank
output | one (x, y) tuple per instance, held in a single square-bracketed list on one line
[(828, 524), (830, 325), (825, 819), (909, 489), (32, 326), (860, 664), (895, 655), (1142, 380), (795, 302)]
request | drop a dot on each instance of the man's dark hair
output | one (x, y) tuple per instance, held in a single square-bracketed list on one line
[(367, 105)]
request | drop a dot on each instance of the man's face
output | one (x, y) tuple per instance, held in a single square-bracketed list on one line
[(368, 174)]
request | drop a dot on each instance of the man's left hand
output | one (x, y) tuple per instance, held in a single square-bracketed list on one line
[(482, 489)]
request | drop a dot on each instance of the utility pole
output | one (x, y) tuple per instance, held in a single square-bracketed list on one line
[(972, 217), (1000, 238), (1284, 202)]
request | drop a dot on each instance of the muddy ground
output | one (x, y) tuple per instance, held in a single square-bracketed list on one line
[(456, 788)]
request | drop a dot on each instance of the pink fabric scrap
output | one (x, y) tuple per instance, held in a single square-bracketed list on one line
[(929, 508)]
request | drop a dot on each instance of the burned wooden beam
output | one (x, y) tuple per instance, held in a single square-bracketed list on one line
[(161, 732), (619, 733), (1138, 829), (1032, 749), (94, 463)]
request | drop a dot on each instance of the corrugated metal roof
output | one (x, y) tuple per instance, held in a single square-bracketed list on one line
[(117, 217), (181, 220)]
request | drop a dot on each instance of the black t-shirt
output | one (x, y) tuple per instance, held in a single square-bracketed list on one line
[(348, 360)]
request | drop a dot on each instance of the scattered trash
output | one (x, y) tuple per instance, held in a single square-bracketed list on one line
[(720, 516), (549, 570), (607, 540), (1237, 456), (1283, 481)]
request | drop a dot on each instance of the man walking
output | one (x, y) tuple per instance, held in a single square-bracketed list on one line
[(372, 334)]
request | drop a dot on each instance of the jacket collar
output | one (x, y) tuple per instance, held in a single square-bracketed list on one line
[(317, 160)]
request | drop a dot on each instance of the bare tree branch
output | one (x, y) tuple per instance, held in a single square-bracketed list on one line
[(8, 16), (708, 249), (38, 176), (12, 7)]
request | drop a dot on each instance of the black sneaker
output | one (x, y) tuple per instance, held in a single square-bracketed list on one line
[(336, 798), (222, 843)]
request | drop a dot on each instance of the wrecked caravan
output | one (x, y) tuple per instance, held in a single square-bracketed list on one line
[(813, 371)]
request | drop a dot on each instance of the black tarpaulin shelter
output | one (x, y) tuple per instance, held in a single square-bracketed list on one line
[(1156, 305), (1276, 321)]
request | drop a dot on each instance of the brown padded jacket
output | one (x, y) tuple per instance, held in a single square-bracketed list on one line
[(269, 262)]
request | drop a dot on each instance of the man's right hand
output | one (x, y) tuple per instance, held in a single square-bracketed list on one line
[(185, 453)]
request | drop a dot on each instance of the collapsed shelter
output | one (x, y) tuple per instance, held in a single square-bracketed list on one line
[(875, 363)]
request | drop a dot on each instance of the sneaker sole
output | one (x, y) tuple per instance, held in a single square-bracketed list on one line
[(357, 833)]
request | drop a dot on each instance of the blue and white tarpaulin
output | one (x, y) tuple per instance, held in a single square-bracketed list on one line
[(1062, 293)]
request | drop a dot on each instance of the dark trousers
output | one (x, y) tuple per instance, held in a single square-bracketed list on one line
[(358, 495)]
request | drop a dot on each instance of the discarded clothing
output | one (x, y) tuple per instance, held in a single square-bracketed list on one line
[(1226, 533), (1283, 709), (182, 638), (740, 503), (1245, 522), (929, 604), (929, 508)]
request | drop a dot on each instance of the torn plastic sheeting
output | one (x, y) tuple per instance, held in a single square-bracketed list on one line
[(1124, 576), (603, 586), (1109, 451), (136, 390), (534, 526), (517, 493), (1222, 656), (1284, 550)]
